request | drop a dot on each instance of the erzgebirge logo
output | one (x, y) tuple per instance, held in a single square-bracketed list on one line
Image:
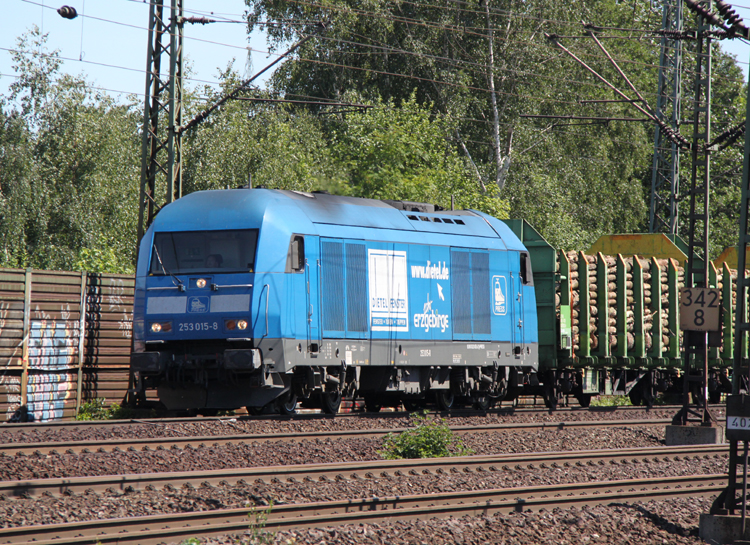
[(430, 318)]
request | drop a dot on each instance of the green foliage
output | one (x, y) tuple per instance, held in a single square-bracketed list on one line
[(573, 180), (277, 147), (610, 401), (401, 151), (70, 167), (96, 410), (191, 541), (70, 155), (258, 533), (103, 259), (429, 439)]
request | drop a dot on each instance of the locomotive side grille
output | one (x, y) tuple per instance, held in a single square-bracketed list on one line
[(332, 265), (356, 288), (480, 283), (461, 289)]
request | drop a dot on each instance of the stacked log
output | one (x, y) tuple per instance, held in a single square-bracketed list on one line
[(653, 292), (609, 322)]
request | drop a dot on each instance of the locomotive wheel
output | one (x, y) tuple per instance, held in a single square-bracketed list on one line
[(254, 411), (482, 403), (445, 400), (372, 403), (287, 404), (330, 402)]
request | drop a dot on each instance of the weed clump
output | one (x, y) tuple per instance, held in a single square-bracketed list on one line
[(428, 439)]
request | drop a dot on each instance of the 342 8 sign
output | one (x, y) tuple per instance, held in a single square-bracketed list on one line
[(700, 309)]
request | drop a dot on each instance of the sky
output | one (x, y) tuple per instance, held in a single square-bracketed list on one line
[(114, 33)]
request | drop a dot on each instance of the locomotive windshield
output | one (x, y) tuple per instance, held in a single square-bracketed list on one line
[(204, 251)]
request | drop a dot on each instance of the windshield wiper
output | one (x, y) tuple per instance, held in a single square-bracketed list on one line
[(179, 284)]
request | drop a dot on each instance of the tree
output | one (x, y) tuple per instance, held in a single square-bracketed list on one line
[(276, 146), (401, 152), (481, 67), (79, 188)]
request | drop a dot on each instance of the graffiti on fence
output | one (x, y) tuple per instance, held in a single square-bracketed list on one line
[(53, 357)]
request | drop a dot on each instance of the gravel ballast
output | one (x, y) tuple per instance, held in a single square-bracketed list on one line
[(114, 504), (673, 521), (196, 458), (237, 426)]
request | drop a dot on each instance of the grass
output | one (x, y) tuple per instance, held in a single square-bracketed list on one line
[(611, 401), (95, 410)]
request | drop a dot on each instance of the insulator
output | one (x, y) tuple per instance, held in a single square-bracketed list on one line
[(677, 34), (67, 12), (198, 20), (712, 18), (732, 18)]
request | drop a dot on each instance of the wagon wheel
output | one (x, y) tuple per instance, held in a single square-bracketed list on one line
[(482, 403), (330, 401), (445, 400)]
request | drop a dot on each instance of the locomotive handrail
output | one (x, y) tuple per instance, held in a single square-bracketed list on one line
[(233, 285), (164, 288), (268, 293)]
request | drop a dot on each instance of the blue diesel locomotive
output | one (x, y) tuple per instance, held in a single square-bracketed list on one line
[(252, 297)]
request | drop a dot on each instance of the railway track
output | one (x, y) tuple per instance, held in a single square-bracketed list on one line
[(371, 469), (38, 427), (110, 445), (148, 530)]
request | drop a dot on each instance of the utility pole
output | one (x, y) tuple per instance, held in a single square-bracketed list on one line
[(161, 150), (666, 166)]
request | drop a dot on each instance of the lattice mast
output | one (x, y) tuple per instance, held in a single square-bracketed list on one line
[(663, 216), (161, 150), (696, 342)]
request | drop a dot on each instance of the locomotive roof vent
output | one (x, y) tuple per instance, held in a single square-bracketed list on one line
[(410, 206), (435, 219)]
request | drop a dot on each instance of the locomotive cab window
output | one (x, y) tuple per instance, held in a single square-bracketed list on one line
[(527, 276), (204, 251), (295, 261)]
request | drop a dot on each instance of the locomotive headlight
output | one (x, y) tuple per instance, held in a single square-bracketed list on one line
[(231, 325), (201, 283), (241, 324), (163, 327)]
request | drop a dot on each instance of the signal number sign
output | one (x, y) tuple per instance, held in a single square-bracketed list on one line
[(699, 309)]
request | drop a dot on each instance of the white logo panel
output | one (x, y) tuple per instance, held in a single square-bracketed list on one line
[(389, 299), (499, 295)]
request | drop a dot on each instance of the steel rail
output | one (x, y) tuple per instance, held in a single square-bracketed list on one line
[(109, 445), (154, 529), (27, 427), (371, 469)]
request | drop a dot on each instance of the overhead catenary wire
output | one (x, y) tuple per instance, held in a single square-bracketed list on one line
[(407, 76), (229, 45)]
